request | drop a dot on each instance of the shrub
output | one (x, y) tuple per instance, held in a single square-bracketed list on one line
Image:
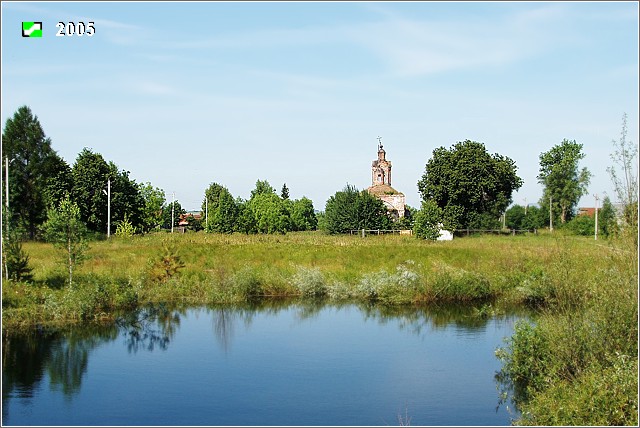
[(581, 225), (455, 284), (399, 287), (310, 282), (428, 221), (247, 283), (166, 265), (125, 229)]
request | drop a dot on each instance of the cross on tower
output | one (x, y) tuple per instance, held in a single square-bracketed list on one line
[(379, 142)]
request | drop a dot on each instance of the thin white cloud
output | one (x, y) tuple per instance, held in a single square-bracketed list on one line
[(407, 46), (416, 47), (154, 88)]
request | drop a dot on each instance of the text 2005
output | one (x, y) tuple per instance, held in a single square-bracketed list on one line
[(75, 29)]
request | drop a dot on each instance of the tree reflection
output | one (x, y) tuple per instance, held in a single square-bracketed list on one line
[(149, 327), (69, 358), (224, 319), (63, 355), (416, 319)]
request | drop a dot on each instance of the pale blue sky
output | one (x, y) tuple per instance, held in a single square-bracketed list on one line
[(186, 94)]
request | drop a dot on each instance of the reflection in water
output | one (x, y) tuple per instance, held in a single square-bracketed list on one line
[(64, 355), (417, 320), (150, 327), (224, 319)]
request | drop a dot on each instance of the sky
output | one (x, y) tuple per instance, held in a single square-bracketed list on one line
[(185, 94)]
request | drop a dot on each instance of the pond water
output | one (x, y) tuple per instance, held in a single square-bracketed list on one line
[(266, 364)]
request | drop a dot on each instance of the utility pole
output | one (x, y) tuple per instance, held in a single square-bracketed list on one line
[(108, 193), (6, 220), (525, 206), (596, 234), (550, 214), (206, 212), (173, 206), (6, 182)]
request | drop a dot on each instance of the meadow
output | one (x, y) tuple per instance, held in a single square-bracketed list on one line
[(574, 363)]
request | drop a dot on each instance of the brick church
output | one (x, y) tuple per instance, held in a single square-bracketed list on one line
[(381, 185)]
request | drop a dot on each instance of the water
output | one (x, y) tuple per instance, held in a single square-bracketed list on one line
[(274, 364)]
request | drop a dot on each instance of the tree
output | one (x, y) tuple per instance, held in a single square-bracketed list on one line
[(406, 222), (246, 222), (340, 212), (427, 221), (126, 200), (166, 214), (563, 182), (212, 196), (625, 181), (59, 181), (220, 208), (33, 163), (514, 217), (223, 213), (535, 218), (124, 228), (371, 212), (262, 186), (154, 200), (90, 175), (468, 184), (284, 193), (303, 215), (607, 218), (581, 225), (352, 209), (269, 212), (15, 261), (65, 229)]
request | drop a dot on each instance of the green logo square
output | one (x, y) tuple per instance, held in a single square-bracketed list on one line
[(32, 29)]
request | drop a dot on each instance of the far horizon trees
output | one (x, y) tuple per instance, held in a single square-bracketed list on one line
[(263, 212), (167, 214), (528, 218)]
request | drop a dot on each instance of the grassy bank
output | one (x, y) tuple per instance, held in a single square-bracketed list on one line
[(535, 270), (223, 268), (580, 355)]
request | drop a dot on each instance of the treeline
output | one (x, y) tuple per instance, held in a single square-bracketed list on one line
[(264, 212), (465, 187), (39, 180)]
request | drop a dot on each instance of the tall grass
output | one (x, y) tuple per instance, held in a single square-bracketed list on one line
[(386, 269), (578, 364)]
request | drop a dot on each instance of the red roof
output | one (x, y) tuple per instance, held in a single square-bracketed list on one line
[(587, 211)]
